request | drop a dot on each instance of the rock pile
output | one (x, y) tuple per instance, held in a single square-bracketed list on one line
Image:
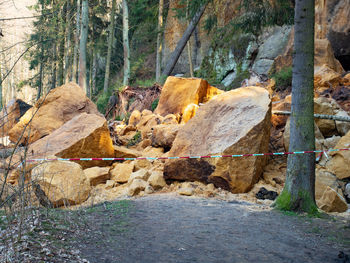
[(206, 121)]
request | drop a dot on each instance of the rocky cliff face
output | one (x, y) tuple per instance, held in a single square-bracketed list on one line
[(224, 10), (331, 21)]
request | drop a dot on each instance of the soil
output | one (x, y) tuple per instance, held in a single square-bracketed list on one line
[(169, 228)]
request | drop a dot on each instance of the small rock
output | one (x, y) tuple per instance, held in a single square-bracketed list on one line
[(142, 174), (97, 175), (109, 184), (156, 180), (135, 117), (186, 191), (136, 187), (149, 189), (210, 187), (121, 172)]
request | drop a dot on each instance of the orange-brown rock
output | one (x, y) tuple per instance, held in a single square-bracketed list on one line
[(64, 183), (323, 180), (189, 112), (279, 121), (234, 122), (324, 55), (84, 136), (323, 106), (326, 77), (10, 115), (147, 122), (178, 93), (163, 135), (331, 201), (340, 161), (97, 175), (51, 112), (170, 119), (121, 172), (135, 117), (123, 152)]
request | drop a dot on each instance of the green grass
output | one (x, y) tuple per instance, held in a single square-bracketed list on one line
[(283, 78), (135, 140), (154, 104)]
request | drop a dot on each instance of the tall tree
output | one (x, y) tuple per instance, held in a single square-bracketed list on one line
[(110, 46), (189, 48), (82, 80), (159, 39), (68, 40), (126, 43), (299, 190), (76, 44), (183, 41)]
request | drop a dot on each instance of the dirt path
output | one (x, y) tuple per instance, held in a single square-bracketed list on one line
[(164, 228)]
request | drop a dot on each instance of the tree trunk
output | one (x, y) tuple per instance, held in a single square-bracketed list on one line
[(189, 48), (94, 71), (159, 40), (41, 69), (53, 66), (182, 43), (126, 43), (66, 54), (82, 80), (110, 46), (76, 45), (299, 190)]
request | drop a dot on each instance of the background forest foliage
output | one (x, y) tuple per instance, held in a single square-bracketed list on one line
[(55, 31)]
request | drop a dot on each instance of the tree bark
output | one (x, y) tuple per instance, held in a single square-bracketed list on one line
[(76, 45), (189, 48), (67, 48), (40, 84), (126, 43), (159, 40), (53, 66), (110, 46), (94, 71), (82, 80), (299, 190), (183, 41)]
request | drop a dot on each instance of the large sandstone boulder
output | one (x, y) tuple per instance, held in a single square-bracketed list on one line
[(10, 115), (63, 182), (178, 93), (51, 112), (331, 201), (340, 161), (84, 136), (235, 122)]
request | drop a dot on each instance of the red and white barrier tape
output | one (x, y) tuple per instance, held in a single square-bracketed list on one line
[(185, 157)]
